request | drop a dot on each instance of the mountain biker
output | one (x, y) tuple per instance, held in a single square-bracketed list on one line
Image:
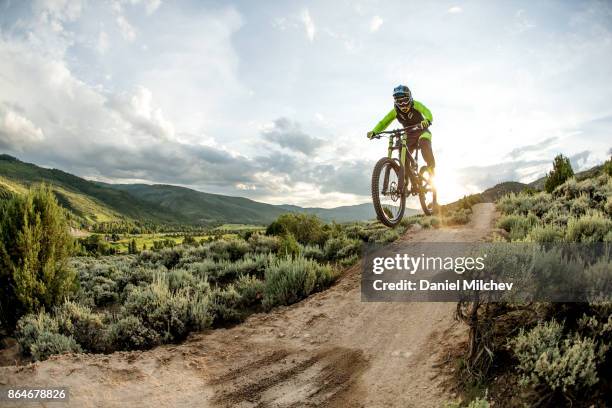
[(410, 113)]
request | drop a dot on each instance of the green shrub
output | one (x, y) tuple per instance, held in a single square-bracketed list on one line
[(348, 261), (96, 245), (200, 314), (80, 323), (129, 333), (180, 279), (429, 222), (608, 206), (35, 244), (477, 403), (341, 247), (387, 236), (458, 217), (289, 246), (31, 326), (517, 225), (593, 227), (204, 269), (249, 265), (251, 291), (48, 344), (546, 358), (312, 252), (545, 233), (580, 206), (232, 249), (163, 243), (562, 170), (264, 244), (408, 221), (159, 309), (289, 280), (170, 256), (607, 167), (225, 305), (103, 290), (306, 228)]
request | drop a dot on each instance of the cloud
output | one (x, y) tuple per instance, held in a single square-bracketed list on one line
[(351, 177), (309, 24), (60, 10), (288, 134), (152, 5), (204, 79), (579, 161), (519, 151), (127, 31), (480, 178), (17, 131), (137, 108), (375, 23)]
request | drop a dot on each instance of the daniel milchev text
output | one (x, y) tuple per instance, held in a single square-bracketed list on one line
[(413, 264)]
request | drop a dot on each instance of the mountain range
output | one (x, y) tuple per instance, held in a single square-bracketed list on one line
[(92, 202)]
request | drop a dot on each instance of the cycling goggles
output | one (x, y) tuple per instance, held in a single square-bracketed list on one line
[(404, 103)]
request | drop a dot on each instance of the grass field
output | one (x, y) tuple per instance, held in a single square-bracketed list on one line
[(239, 227)]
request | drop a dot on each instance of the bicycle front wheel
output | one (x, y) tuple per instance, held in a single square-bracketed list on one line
[(427, 191), (389, 202)]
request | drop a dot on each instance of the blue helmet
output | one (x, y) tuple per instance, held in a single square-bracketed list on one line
[(403, 98), (402, 91)]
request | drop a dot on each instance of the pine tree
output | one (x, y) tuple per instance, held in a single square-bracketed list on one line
[(35, 245), (562, 170), (132, 248)]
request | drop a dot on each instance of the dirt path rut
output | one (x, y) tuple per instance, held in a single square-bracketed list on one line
[(328, 350)]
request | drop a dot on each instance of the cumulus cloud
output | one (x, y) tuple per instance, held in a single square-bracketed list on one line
[(17, 131), (375, 23), (288, 134), (201, 80), (536, 147), (309, 24), (137, 108)]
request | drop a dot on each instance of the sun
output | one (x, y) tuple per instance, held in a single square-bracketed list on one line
[(448, 186)]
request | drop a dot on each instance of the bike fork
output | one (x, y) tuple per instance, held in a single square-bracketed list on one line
[(402, 172)]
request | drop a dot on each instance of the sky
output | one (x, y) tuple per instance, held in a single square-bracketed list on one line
[(272, 100)]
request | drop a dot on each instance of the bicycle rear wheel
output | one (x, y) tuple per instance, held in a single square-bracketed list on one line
[(389, 202), (427, 191)]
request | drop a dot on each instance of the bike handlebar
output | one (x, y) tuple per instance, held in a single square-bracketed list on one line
[(397, 132)]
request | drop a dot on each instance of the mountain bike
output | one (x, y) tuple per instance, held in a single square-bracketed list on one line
[(393, 179)]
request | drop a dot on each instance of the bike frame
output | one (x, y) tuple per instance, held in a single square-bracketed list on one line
[(406, 173)]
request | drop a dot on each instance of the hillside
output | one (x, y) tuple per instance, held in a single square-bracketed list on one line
[(93, 202), (492, 194), (190, 203), (89, 202), (539, 183), (344, 213), (202, 208)]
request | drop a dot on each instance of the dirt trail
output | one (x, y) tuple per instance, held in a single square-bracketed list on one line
[(328, 350)]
